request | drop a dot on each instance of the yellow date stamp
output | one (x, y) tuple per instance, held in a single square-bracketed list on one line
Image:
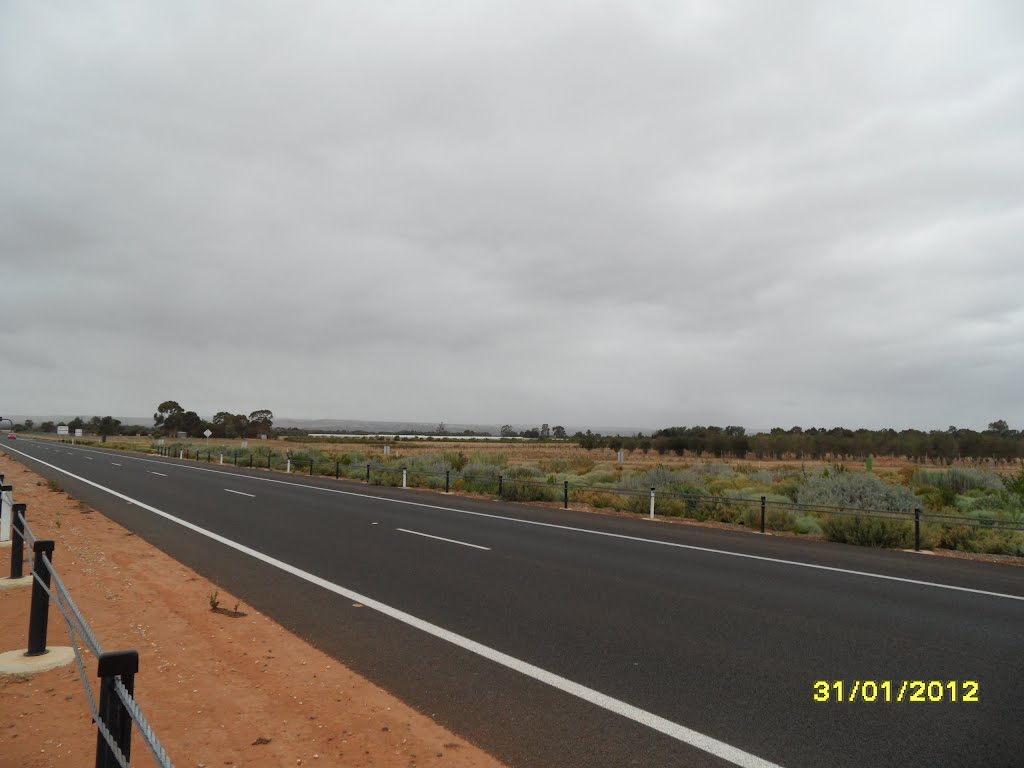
[(896, 691)]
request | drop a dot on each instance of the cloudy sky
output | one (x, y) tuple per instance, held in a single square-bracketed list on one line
[(635, 213)]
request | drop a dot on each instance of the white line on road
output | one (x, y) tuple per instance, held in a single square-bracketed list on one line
[(87, 458), (161, 474), (677, 545), (250, 495), (114, 464), (681, 733), (442, 538)]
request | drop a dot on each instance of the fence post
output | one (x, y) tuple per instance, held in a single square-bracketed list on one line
[(447, 480), (310, 467), (367, 473), (565, 497), (17, 541), (337, 469), (5, 510), (269, 456), (403, 477), (917, 530), (124, 665), (501, 487), (764, 503), (222, 458), (288, 466), (40, 610), (652, 503), (181, 454)]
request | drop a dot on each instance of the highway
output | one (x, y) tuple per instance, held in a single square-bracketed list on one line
[(558, 638)]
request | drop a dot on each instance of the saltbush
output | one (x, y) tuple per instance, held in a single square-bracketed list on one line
[(855, 490), (868, 531)]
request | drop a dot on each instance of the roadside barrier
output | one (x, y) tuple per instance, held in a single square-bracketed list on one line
[(761, 513), (116, 670)]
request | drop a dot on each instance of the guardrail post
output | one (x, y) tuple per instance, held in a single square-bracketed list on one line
[(404, 477), (565, 492), (367, 473), (917, 530), (764, 503), (17, 541), (6, 500), (501, 486), (124, 665), (447, 481), (40, 612), (652, 503), (337, 469)]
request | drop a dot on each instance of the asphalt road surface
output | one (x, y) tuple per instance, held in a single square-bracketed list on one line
[(558, 638)]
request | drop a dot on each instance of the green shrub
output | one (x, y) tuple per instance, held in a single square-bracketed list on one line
[(868, 531), (807, 524), (957, 479)]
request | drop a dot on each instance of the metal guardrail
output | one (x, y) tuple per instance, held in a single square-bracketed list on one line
[(117, 708)]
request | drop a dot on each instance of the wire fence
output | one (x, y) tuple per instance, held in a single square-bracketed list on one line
[(763, 512), (117, 709)]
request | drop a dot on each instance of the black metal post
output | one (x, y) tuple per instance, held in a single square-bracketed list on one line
[(310, 467), (17, 542), (337, 469), (565, 498), (917, 530), (113, 713), (236, 458), (39, 614), (500, 485), (763, 505), (209, 456), (268, 459), (447, 480), (367, 473)]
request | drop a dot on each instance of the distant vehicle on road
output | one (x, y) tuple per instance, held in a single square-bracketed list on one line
[(11, 436)]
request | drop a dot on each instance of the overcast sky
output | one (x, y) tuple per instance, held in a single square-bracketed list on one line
[(635, 213)]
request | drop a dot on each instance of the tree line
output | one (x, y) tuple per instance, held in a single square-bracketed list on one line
[(171, 419), (997, 442)]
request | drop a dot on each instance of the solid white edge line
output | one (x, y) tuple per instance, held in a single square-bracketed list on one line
[(655, 722), (691, 547), (157, 473), (240, 493), (442, 538)]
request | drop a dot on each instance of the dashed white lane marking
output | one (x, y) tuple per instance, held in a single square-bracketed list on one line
[(442, 538), (655, 722), (250, 495), (161, 474), (114, 464), (588, 531)]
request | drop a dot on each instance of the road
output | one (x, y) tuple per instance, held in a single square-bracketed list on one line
[(559, 638)]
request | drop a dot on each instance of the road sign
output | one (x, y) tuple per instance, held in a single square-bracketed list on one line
[(62, 429), (207, 433), (78, 433)]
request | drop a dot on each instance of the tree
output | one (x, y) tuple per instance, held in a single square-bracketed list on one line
[(29, 424), (532, 433), (558, 433), (47, 426), (508, 431), (999, 426), (168, 416), (442, 429), (108, 425), (76, 423), (545, 431), (262, 421)]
